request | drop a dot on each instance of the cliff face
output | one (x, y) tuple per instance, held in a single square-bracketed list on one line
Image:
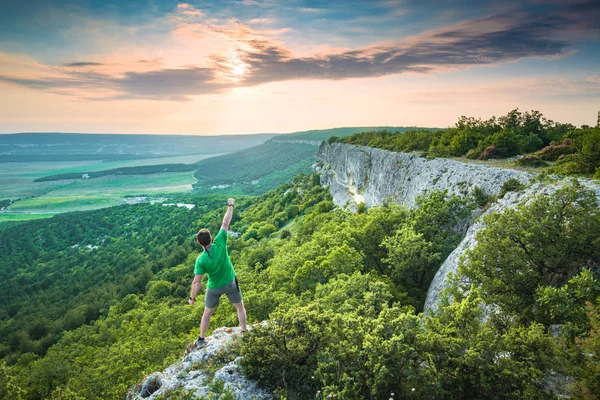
[(363, 174)]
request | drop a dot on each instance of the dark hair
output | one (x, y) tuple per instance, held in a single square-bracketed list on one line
[(203, 237)]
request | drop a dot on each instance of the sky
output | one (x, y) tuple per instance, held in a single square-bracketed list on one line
[(263, 66)]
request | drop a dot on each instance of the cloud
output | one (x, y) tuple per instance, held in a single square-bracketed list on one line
[(82, 64), (494, 39), (254, 57), (310, 10)]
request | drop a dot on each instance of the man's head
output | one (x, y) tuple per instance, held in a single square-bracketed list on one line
[(203, 237)]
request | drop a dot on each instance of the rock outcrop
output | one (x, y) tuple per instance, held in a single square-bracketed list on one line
[(199, 374), (363, 174)]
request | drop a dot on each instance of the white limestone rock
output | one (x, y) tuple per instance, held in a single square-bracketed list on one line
[(356, 173), (196, 382)]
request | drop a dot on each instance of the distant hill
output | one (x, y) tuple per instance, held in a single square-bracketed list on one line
[(262, 168), (24, 147), (275, 159)]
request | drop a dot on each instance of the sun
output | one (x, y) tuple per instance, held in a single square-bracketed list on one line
[(233, 68), (238, 67)]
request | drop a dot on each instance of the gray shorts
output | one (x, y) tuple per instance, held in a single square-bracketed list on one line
[(232, 290)]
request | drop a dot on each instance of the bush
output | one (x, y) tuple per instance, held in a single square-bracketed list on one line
[(544, 242), (554, 150), (284, 354), (511, 185), (480, 197), (489, 152), (361, 208), (531, 161), (473, 154)]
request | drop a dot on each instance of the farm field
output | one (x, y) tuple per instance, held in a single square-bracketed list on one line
[(16, 179), (45, 199), (103, 192)]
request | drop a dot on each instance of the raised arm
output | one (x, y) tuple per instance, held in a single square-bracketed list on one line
[(228, 214)]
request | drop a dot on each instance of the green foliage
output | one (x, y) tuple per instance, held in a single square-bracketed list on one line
[(531, 161), (284, 354), (566, 305), (543, 243), (9, 389), (412, 140), (480, 197), (506, 136), (470, 359), (325, 134), (588, 157), (339, 289), (412, 261), (511, 185), (588, 347)]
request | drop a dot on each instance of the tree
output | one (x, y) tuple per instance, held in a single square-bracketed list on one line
[(589, 157), (412, 261), (544, 243)]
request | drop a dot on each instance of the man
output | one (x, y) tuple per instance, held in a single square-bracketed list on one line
[(215, 263)]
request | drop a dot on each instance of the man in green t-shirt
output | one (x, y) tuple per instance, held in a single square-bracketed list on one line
[(215, 263)]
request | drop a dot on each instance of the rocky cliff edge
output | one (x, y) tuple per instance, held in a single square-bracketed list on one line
[(210, 372)]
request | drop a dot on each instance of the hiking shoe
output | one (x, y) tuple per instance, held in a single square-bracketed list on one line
[(200, 342)]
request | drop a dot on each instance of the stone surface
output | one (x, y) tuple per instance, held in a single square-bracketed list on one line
[(188, 375), (356, 174)]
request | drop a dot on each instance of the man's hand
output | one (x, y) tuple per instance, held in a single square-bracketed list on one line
[(191, 302), (228, 214)]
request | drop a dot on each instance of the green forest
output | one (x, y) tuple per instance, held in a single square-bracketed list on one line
[(93, 301), (558, 148)]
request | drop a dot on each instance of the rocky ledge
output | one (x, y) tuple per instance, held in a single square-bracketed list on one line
[(210, 372), (367, 175)]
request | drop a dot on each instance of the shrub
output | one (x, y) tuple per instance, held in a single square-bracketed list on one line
[(531, 161), (511, 185), (361, 208), (554, 150), (544, 242), (284, 354), (480, 197), (473, 154), (489, 152)]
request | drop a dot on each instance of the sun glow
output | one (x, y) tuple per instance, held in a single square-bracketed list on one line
[(232, 68), (238, 67)]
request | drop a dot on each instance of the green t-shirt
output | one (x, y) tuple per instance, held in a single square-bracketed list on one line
[(216, 263)]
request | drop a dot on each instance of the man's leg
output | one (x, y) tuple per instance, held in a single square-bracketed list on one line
[(241, 313), (208, 312)]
